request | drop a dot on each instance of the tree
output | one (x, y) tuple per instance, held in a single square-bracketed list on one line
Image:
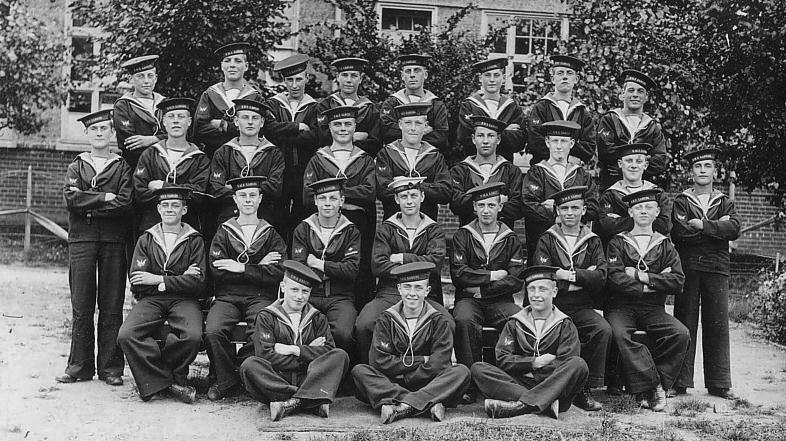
[(31, 68), (453, 51), (742, 50), (184, 34)]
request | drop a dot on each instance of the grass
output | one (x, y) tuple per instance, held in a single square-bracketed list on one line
[(45, 251), (690, 407), (625, 404)]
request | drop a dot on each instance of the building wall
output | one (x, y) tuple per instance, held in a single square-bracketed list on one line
[(49, 168)]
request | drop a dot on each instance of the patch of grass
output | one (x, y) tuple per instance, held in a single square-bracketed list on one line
[(690, 407), (45, 251), (625, 404), (700, 425), (740, 403)]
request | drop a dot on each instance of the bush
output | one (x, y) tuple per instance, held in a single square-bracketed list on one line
[(768, 306)]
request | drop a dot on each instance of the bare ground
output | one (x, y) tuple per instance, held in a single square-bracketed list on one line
[(34, 341)]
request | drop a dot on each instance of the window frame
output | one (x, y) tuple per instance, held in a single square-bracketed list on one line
[(399, 34), (510, 38)]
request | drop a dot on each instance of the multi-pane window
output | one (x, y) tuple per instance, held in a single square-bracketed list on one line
[(405, 19), (522, 38)]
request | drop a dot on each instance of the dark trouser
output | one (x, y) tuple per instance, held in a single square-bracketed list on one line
[(109, 259), (560, 380), (319, 382), (341, 315), (377, 389), (645, 370), (711, 292), (364, 326), (366, 222), (532, 232), (224, 314), (595, 336), (156, 368), (471, 315), (289, 209)]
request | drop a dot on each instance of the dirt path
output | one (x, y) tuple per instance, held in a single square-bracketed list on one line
[(34, 338)]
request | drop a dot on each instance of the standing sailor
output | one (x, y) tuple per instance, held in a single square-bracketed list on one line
[(486, 167), (562, 105), (135, 120), (98, 195), (291, 125), (214, 119), (705, 220), (343, 159), (491, 103), (349, 76), (171, 162), (247, 155), (414, 72)]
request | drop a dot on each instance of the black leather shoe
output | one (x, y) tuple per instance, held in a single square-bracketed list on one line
[(658, 399), (507, 409), (216, 394), (113, 380), (66, 378), (280, 409), (401, 411), (722, 392), (584, 400), (186, 394)]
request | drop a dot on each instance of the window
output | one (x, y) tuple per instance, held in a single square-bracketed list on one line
[(289, 25), (521, 38), (80, 101), (399, 23), (405, 20)]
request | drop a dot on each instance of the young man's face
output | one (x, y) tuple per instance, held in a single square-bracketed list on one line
[(644, 214), (633, 166), (492, 81), (412, 128), (409, 201), (487, 210), (564, 79), (414, 77), (99, 134), (296, 85), (176, 123), (703, 172), (570, 213), (249, 122), (144, 82), (541, 294), (248, 200), (172, 211), (329, 203), (633, 96), (296, 295), (486, 141), (559, 147), (342, 130), (348, 82), (234, 67), (413, 294)]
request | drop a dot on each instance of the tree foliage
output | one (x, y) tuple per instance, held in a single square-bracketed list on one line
[(742, 51), (184, 34), (31, 68)]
